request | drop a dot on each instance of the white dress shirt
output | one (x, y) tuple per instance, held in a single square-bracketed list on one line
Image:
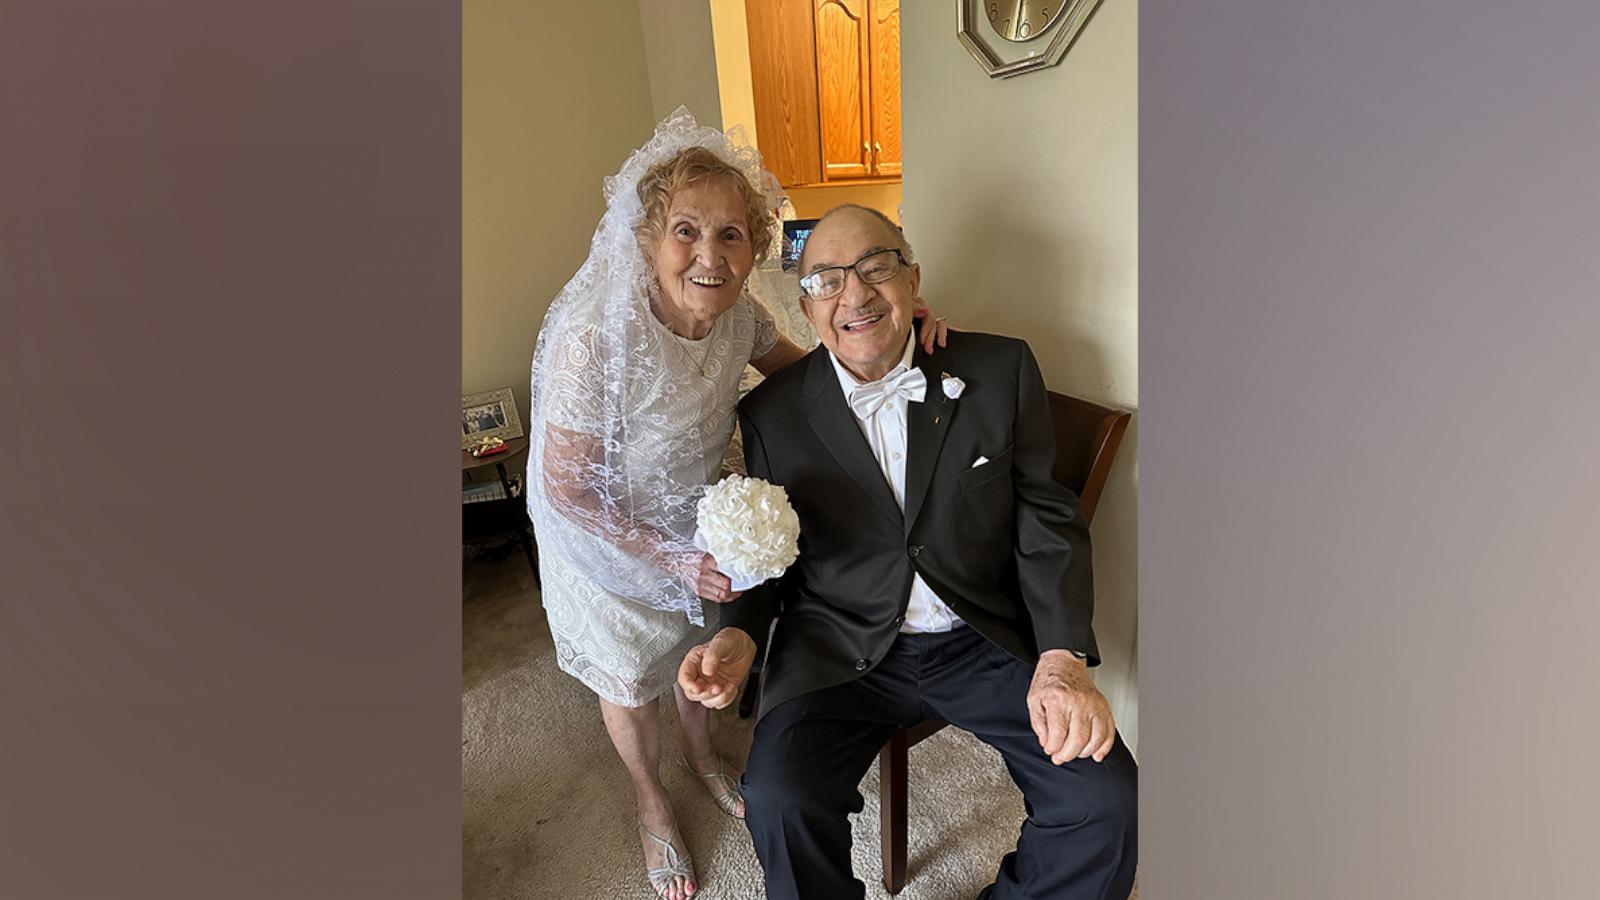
[(885, 431)]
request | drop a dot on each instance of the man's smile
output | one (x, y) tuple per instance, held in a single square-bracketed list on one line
[(862, 323)]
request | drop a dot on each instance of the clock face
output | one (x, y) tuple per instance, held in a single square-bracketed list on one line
[(1022, 20), (1020, 35)]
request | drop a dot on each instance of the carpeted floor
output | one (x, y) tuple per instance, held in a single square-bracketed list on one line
[(547, 810)]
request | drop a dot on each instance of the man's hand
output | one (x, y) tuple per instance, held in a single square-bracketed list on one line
[(1070, 716), (712, 672)]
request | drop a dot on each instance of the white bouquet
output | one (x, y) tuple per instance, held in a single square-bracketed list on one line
[(748, 525)]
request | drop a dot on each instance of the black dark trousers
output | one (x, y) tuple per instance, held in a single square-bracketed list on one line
[(1079, 841)]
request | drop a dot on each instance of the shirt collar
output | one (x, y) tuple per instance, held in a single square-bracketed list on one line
[(849, 382)]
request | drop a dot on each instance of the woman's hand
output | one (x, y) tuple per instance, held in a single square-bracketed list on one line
[(699, 571), (934, 329)]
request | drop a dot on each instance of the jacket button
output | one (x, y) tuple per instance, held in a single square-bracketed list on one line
[(861, 665), (914, 549)]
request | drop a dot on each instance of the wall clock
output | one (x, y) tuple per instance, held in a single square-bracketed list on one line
[(1010, 37)]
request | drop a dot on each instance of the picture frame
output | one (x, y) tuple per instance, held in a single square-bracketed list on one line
[(489, 414)]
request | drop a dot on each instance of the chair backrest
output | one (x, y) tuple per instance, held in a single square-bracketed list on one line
[(1087, 437)]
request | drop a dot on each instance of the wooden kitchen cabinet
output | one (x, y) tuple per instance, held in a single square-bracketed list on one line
[(844, 88), (826, 80), (885, 60), (783, 80)]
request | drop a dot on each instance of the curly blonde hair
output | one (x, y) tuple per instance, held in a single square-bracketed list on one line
[(692, 165)]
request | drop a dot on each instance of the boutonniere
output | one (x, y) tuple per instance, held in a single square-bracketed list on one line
[(952, 385)]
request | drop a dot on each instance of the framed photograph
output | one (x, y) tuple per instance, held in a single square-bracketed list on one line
[(489, 414)]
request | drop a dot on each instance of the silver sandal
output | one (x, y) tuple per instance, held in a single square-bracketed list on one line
[(728, 798), (678, 865)]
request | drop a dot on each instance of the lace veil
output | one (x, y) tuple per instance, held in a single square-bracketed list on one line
[(618, 441)]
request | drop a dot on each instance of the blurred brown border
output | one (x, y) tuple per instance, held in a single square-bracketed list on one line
[(230, 352), (1368, 384)]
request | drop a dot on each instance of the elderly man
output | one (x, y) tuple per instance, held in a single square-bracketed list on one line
[(942, 573)]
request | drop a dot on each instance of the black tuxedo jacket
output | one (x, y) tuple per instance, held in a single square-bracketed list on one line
[(1003, 544)]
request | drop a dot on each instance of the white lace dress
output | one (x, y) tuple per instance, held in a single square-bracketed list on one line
[(624, 651)]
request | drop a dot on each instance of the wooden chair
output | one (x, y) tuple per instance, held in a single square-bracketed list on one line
[(1087, 437)]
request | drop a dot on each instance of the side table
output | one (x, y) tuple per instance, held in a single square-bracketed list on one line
[(499, 520)]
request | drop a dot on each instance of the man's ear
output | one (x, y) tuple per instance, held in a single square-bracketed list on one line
[(916, 280), (805, 308)]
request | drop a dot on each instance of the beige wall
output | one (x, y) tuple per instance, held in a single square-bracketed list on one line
[(554, 97), (1021, 201), (731, 38), (682, 58)]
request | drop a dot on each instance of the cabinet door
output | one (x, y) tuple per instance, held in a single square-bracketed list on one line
[(783, 79), (884, 35), (843, 90)]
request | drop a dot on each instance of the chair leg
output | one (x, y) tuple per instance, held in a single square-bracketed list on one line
[(752, 690), (892, 766), (533, 560)]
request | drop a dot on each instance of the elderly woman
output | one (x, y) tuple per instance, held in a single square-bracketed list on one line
[(635, 379)]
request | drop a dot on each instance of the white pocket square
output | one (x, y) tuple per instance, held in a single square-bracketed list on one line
[(979, 461)]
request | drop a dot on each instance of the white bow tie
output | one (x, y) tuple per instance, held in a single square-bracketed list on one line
[(867, 399)]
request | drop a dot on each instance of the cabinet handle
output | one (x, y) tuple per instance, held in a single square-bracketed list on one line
[(866, 148), (877, 147)]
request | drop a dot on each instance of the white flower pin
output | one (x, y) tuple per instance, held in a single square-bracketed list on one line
[(952, 385)]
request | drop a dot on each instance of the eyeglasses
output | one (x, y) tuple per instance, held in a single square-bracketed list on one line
[(874, 268)]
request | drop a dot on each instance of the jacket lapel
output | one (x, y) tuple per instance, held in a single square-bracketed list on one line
[(830, 417), (927, 423)]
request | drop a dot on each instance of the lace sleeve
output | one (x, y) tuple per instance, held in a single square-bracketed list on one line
[(580, 479), (576, 488), (573, 383), (766, 331)]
